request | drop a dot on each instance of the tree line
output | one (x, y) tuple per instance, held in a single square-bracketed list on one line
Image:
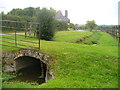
[(92, 25), (48, 24)]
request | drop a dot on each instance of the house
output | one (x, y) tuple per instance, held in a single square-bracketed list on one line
[(59, 16)]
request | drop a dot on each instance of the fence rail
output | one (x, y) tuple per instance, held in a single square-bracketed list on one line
[(113, 32), (21, 40), (29, 30)]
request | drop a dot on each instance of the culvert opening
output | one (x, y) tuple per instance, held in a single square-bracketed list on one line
[(30, 69)]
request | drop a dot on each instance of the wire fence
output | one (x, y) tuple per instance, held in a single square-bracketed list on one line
[(21, 40)]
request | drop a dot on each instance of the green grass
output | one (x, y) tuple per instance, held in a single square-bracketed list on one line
[(77, 65), (17, 84), (83, 66), (7, 76), (70, 36), (94, 39), (107, 40), (11, 31), (4, 48)]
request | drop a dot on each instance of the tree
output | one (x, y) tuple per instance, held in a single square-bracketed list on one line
[(66, 13), (29, 11), (76, 26), (71, 25), (53, 11), (46, 20), (61, 25), (83, 27), (2, 13), (91, 25)]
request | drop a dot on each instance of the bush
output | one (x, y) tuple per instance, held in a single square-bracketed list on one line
[(46, 20), (61, 25)]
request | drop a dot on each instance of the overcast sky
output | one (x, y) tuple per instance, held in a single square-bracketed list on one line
[(79, 11)]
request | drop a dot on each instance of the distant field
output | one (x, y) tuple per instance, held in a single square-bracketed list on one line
[(78, 65)]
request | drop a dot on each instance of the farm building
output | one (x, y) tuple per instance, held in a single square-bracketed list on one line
[(59, 16)]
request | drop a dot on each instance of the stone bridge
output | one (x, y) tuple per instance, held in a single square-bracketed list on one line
[(16, 60)]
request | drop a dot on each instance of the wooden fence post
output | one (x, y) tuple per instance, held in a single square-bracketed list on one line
[(25, 30), (119, 33), (39, 34), (15, 35)]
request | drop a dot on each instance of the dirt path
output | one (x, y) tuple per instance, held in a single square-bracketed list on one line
[(10, 33), (73, 31), (24, 33)]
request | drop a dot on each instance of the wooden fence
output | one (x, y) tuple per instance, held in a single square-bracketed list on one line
[(29, 30), (115, 32)]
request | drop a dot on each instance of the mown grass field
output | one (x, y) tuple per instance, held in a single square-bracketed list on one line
[(70, 36), (78, 65)]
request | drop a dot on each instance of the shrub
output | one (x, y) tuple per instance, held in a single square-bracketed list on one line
[(46, 20), (61, 25)]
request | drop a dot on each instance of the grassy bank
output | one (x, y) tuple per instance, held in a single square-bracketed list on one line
[(70, 36), (78, 65)]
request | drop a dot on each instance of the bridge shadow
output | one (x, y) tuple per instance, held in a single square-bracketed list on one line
[(30, 69)]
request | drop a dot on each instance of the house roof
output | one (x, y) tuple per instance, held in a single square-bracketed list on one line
[(59, 16)]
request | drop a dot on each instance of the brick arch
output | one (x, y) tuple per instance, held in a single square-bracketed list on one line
[(10, 57), (31, 53)]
